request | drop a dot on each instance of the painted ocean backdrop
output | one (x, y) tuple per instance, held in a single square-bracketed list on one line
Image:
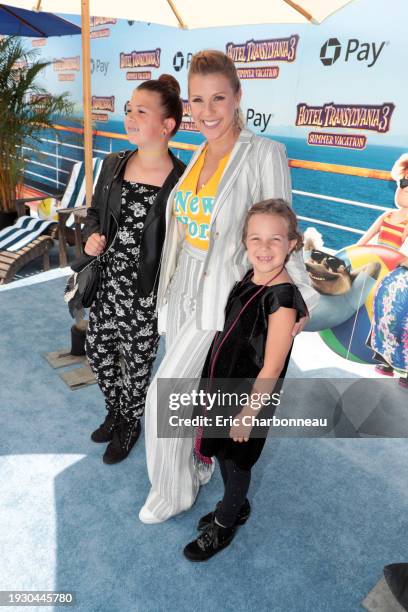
[(370, 191)]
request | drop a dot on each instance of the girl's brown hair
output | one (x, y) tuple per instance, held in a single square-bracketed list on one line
[(212, 61), (168, 89), (280, 208)]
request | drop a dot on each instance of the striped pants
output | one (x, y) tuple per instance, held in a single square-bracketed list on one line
[(174, 478)]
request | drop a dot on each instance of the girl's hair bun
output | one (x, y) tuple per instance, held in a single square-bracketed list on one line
[(170, 82), (167, 87)]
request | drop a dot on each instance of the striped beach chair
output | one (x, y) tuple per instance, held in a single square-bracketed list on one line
[(25, 240), (74, 199)]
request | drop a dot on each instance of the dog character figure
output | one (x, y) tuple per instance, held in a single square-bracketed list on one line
[(342, 290)]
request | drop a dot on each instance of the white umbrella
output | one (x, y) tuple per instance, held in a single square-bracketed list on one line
[(187, 13), (177, 13)]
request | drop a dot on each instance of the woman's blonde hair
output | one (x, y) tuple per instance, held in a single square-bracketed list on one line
[(279, 208), (211, 61)]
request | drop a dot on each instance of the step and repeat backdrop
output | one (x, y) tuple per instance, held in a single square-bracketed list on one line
[(333, 94)]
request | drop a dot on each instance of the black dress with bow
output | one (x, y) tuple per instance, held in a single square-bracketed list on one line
[(241, 357)]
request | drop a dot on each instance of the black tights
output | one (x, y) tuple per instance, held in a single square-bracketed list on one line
[(236, 485)]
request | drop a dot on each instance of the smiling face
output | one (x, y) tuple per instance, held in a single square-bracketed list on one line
[(267, 243), (144, 121), (213, 105), (329, 274)]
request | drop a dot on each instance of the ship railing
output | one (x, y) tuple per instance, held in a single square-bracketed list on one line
[(60, 155)]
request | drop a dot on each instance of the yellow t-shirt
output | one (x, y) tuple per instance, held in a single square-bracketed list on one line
[(194, 208)]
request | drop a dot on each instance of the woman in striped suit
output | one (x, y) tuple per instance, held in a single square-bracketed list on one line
[(202, 259)]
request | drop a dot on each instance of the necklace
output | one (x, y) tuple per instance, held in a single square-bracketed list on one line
[(218, 161)]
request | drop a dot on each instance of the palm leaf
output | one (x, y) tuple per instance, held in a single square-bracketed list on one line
[(26, 109)]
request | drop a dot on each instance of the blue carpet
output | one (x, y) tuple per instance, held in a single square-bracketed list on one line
[(327, 514)]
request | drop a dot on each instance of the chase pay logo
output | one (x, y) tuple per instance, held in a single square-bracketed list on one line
[(179, 60), (99, 66), (354, 50), (330, 51)]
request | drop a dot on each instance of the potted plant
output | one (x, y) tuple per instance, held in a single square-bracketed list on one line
[(26, 110)]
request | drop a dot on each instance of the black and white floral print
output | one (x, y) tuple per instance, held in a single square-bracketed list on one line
[(122, 336)]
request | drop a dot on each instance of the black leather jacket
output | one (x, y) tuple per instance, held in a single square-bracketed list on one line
[(103, 217)]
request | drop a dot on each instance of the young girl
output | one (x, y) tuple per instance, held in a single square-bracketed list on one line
[(126, 223), (256, 344)]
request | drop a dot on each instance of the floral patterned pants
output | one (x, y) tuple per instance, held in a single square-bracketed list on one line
[(122, 336), (121, 346)]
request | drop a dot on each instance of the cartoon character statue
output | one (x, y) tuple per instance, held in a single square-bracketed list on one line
[(389, 333), (346, 283), (348, 280), (391, 228), (342, 289)]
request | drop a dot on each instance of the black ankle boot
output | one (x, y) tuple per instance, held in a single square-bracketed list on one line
[(213, 539), (396, 576), (104, 433), (125, 436), (242, 517)]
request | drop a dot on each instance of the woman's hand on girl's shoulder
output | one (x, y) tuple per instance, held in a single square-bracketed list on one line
[(300, 325)]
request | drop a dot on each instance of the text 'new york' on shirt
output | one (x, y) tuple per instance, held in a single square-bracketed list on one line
[(194, 208)]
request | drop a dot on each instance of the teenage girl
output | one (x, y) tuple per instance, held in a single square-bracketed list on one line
[(126, 226), (255, 344)]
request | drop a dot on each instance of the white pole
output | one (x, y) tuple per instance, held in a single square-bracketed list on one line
[(86, 86)]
